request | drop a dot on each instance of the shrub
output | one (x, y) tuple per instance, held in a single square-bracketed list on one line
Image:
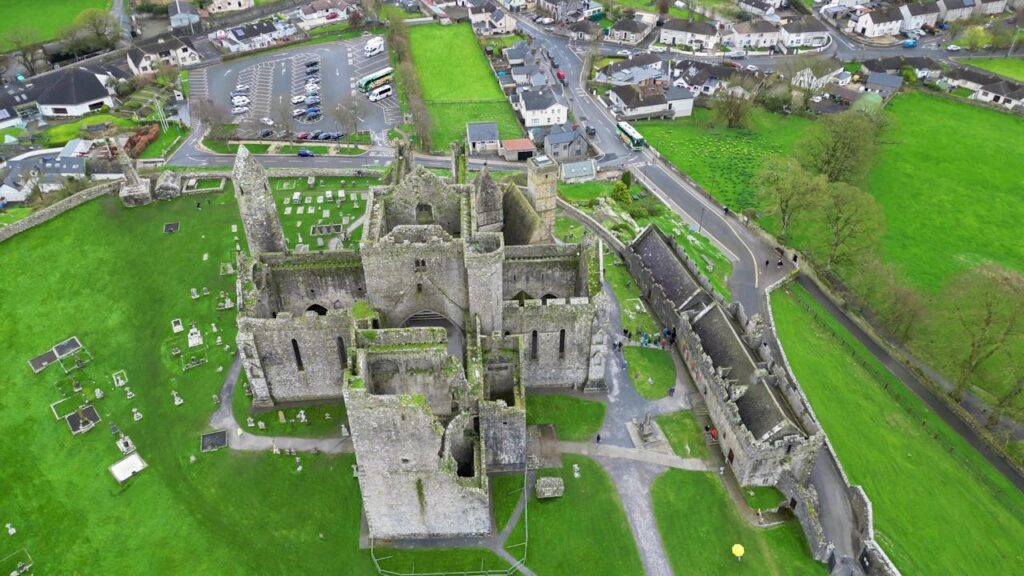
[(620, 193)]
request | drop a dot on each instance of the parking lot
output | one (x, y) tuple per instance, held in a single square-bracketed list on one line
[(276, 78)]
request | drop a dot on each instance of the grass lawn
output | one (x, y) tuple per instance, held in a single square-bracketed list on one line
[(167, 142), (567, 229), (928, 486), (232, 148), (13, 131), (60, 134), (962, 92), (297, 220), (651, 370), (575, 418), (44, 18), (294, 149), (472, 95), (763, 497), (635, 315), (1009, 67), (499, 42), (939, 219), (391, 12), (12, 215), (506, 491), (183, 79), (652, 7), (723, 160), (583, 532), (699, 525), (683, 433), (317, 425)]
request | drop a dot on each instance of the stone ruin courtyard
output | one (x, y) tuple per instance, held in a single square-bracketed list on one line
[(140, 416)]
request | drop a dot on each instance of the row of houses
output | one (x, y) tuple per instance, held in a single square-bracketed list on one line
[(987, 87), (877, 22), (803, 33), (253, 36)]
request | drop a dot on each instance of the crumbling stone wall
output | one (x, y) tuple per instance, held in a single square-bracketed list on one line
[(297, 282), (557, 338), (40, 216), (423, 199), (503, 413), (256, 205), (542, 270), (485, 262)]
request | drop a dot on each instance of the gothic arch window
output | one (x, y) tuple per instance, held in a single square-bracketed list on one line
[(424, 213), (320, 310)]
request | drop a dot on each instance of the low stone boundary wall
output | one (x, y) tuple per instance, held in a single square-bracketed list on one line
[(50, 212), (593, 225)]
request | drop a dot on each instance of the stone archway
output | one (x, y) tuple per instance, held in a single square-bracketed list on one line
[(430, 318)]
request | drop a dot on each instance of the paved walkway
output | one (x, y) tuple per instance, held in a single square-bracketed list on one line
[(239, 439), (635, 454)]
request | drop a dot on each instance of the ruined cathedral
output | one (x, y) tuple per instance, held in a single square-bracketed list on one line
[(458, 302)]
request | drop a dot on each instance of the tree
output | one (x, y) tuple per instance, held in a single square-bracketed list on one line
[(348, 114), (103, 25), (981, 309), (24, 41), (842, 146), (74, 41), (663, 6), (620, 194), (355, 19), (788, 190), (1003, 403), (732, 104), (975, 38), (627, 178), (895, 306), (282, 115), (371, 8), (852, 218)]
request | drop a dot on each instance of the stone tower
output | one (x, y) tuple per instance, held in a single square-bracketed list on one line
[(256, 204), (542, 188), (134, 191)]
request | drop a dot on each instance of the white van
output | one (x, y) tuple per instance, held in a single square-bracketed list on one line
[(381, 92), (374, 46)]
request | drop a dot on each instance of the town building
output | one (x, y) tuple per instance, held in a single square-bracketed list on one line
[(627, 31), (219, 6), (539, 107), (753, 34), (482, 137), (149, 57), (806, 32), (919, 15), (879, 22), (698, 36), (565, 143), (953, 10), (182, 14)]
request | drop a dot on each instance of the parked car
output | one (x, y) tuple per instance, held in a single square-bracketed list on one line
[(312, 110), (325, 136), (266, 133), (312, 70), (239, 101), (623, 52), (659, 49), (313, 80), (953, 48), (242, 88), (332, 15), (313, 118), (267, 121), (312, 63), (302, 135), (310, 90), (306, 153), (554, 64), (910, 43), (298, 112), (236, 93), (298, 99), (315, 134), (312, 101), (751, 67), (591, 131), (239, 110)]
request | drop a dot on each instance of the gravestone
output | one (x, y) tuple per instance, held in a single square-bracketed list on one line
[(549, 487)]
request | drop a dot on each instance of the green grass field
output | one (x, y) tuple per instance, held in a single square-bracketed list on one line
[(167, 142), (682, 432), (723, 160), (952, 206), (60, 134), (651, 370), (298, 226), (699, 525), (928, 487), (567, 229), (1009, 67), (12, 215), (471, 95), (575, 418), (44, 18), (583, 532), (635, 315), (319, 150)]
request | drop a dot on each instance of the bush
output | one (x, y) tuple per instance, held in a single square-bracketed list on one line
[(627, 178), (620, 193)]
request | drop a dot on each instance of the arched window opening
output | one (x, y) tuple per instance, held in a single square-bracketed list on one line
[(533, 345), (561, 343), (298, 355)]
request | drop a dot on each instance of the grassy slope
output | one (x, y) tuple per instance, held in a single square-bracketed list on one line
[(721, 160), (45, 18), (699, 525), (929, 488), (635, 315), (951, 197), (1009, 67), (651, 370), (575, 418), (59, 134), (583, 532), (167, 142), (296, 225), (682, 430), (472, 95)]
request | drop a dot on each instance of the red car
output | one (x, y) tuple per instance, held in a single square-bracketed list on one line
[(302, 135), (332, 15)]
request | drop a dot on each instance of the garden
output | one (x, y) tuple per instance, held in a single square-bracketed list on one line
[(927, 485), (457, 83)]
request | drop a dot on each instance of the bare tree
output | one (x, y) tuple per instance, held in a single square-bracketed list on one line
[(1003, 403), (896, 306), (103, 25), (731, 104), (982, 309), (371, 8), (24, 42), (663, 6), (74, 41), (788, 190), (843, 145), (852, 219)]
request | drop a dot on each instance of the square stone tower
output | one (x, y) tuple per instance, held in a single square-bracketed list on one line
[(542, 188)]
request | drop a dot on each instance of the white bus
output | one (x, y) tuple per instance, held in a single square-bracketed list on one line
[(630, 136), (374, 46)]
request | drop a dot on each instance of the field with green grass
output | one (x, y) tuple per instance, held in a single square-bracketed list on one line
[(167, 142), (954, 206), (1009, 67), (471, 95), (699, 525), (567, 229), (723, 160), (12, 215), (652, 7), (636, 317), (575, 418), (60, 134), (44, 18), (583, 532), (684, 434), (319, 150), (651, 370), (313, 208), (927, 485)]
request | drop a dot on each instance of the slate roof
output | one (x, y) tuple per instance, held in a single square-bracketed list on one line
[(640, 60), (895, 63), (676, 93), (561, 137), (74, 86), (1005, 88), (892, 14), (537, 99), (883, 80), (922, 8), (180, 7), (633, 96), (667, 270), (804, 25), (691, 27), (627, 25), (755, 27), (482, 131), (971, 75), (758, 5), (581, 169)]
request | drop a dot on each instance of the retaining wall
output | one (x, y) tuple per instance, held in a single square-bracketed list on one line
[(50, 212)]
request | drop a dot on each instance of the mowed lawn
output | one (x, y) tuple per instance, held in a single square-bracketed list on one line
[(1009, 67), (458, 84), (574, 418), (45, 18), (723, 160), (952, 187), (939, 507), (699, 525)]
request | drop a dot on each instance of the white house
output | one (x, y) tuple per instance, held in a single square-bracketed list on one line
[(148, 58), (917, 15), (877, 23), (805, 32), (540, 108), (628, 31), (640, 69), (217, 6), (631, 102), (754, 34), (695, 35), (75, 92), (488, 19), (1003, 92), (952, 10), (322, 10), (514, 5), (990, 7), (757, 7), (707, 77), (253, 36)]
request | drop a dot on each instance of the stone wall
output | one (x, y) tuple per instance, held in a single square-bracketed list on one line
[(557, 340), (39, 216), (328, 280), (540, 276)]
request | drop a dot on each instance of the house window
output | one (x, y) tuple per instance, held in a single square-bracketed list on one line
[(60, 111)]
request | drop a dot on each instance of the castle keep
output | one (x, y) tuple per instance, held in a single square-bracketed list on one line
[(457, 302)]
